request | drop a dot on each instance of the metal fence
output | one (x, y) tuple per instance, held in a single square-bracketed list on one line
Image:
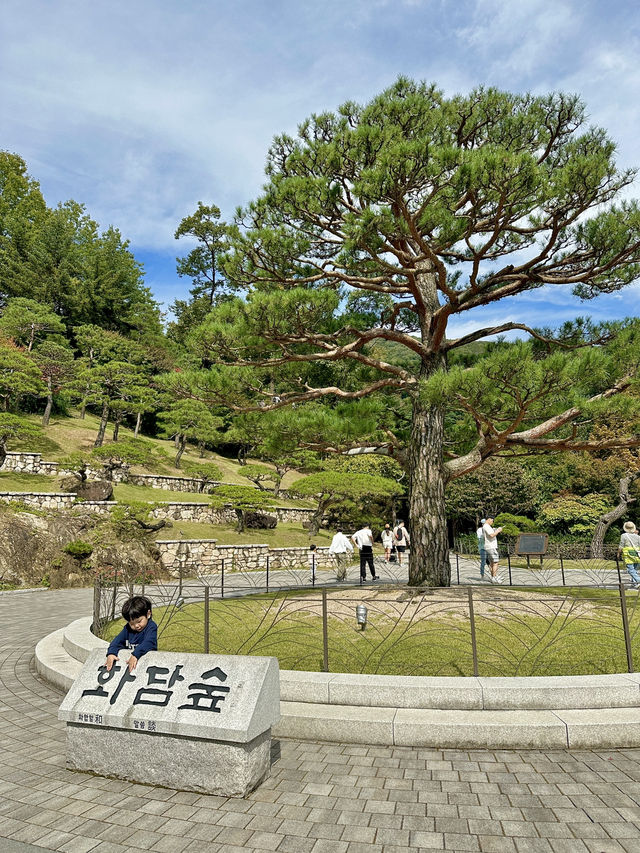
[(464, 630)]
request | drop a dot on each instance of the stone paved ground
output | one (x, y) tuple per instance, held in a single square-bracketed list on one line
[(321, 798)]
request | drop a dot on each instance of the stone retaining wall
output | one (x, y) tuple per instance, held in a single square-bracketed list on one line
[(207, 514), (203, 513), (205, 556), (41, 500), (29, 463), (172, 484)]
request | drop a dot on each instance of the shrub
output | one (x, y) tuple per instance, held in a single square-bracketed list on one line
[(133, 451), (513, 525), (79, 549)]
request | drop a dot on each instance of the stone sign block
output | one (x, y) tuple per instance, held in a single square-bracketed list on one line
[(193, 722)]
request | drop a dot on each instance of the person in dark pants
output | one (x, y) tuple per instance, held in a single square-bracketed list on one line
[(363, 538)]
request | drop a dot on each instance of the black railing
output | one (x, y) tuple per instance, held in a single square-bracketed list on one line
[(312, 624)]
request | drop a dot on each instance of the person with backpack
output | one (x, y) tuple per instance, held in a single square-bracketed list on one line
[(402, 540), (629, 549)]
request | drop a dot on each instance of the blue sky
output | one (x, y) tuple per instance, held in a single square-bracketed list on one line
[(139, 108)]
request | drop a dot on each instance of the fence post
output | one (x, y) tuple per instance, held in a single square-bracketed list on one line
[(96, 626), (115, 592), (472, 623), (625, 625), (206, 619), (268, 561), (562, 570), (458, 568), (222, 580), (325, 633), (509, 567), (313, 573), (618, 569)]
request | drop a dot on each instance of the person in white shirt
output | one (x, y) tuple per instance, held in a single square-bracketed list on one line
[(481, 551), (341, 548), (403, 539), (491, 548), (387, 541), (363, 538)]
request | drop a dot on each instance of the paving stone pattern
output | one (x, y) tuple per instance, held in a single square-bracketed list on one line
[(321, 798)]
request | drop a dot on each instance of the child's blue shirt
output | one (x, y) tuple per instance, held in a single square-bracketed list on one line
[(140, 642)]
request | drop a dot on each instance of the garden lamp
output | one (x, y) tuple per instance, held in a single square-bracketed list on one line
[(361, 616)]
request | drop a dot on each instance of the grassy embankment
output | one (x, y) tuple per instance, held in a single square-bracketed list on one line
[(519, 632), (72, 435)]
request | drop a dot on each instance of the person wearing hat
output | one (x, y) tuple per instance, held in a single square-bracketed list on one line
[(629, 549), (481, 551)]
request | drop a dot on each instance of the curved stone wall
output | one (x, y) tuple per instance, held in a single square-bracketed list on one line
[(582, 712)]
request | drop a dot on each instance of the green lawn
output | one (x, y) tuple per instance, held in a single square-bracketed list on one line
[(128, 492), (285, 535), (72, 434), (517, 633), (11, 481)]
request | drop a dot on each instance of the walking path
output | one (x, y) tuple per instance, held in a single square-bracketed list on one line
[(464, 571), (321, 798)]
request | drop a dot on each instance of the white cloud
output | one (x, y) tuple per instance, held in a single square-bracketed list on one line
[(141, 109)]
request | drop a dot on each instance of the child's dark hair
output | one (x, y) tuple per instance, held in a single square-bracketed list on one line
[(312, 547), (135, 607)]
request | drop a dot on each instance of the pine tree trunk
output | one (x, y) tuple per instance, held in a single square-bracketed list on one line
[(49, 406), (201, 449), (316, 517), (181, 446), (429, 548), (138, 422), (605, 521), (276, 487), (103, 426), (116, 428)]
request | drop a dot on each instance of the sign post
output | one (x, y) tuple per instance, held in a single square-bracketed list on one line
[(532, 545)]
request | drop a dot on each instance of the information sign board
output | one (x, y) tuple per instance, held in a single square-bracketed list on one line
[(530, 544)]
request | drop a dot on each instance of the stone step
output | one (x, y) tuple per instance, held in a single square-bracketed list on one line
[(585, 728), (54, 663)]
